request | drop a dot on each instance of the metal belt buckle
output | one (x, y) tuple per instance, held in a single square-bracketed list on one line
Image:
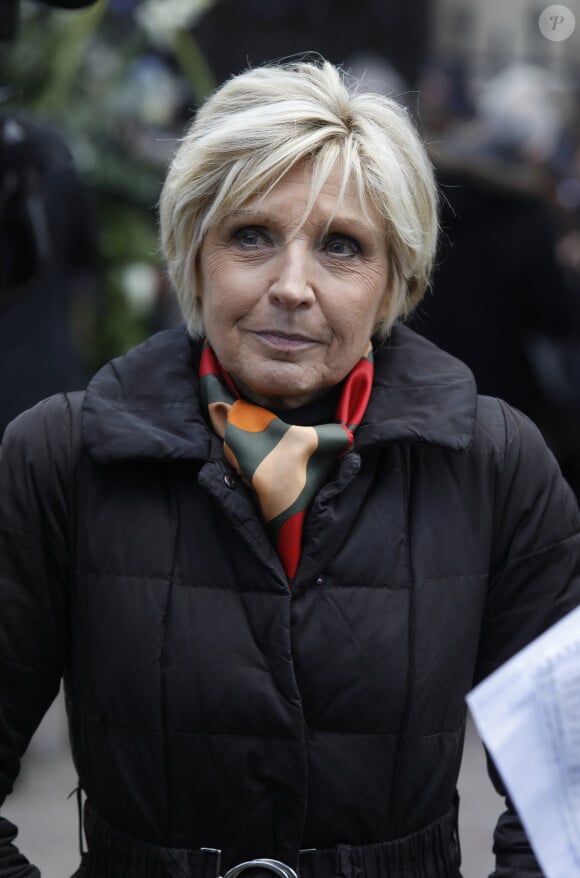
[(279, 869)]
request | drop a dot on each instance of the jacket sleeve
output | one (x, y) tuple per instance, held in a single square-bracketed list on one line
[(34, 573), (534, 581)]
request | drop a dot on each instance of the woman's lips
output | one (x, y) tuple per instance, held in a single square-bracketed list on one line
[(285, 340)]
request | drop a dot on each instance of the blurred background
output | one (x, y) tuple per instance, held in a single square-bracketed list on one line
[(91, 103)]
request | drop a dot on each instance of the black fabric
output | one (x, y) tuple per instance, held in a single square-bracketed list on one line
[(48, 258), (431, 853), (12, 863), (209, 705), (68, 4), (497, 286)]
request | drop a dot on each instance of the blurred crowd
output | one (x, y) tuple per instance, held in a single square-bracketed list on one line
[(80, 166), (505, 296)]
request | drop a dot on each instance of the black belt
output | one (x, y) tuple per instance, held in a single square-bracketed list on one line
[(432, 852)]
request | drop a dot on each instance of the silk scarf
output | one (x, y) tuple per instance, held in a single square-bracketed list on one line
[(284, 464)]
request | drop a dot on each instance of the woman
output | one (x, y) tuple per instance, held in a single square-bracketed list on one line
[(271, 553)]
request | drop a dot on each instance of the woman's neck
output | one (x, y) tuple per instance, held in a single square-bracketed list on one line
[(318, 411)]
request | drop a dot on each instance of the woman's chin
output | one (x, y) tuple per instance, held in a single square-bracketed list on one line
[(280, 394), (277, 383)]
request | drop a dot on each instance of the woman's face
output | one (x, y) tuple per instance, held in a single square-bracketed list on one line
[(289, 314)]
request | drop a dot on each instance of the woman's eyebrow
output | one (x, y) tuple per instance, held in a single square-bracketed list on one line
[(256, 214), (253, 212)]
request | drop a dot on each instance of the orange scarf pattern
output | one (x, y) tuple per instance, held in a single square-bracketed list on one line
[(285, 464)]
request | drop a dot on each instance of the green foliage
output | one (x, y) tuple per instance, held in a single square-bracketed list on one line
[(119, 100), (127, 236)]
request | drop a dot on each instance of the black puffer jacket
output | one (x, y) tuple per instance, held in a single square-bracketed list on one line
[(209, 705)]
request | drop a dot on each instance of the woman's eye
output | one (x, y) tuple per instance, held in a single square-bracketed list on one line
[(250, 237), (343, 245)]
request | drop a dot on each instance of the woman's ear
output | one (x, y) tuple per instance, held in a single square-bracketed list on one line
[(392, 305), (197, 273), (384, 316)]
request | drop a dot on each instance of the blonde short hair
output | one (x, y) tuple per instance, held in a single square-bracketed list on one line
[(264, 121)]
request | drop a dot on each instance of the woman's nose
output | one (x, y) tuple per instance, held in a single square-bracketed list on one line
[(292, 283)]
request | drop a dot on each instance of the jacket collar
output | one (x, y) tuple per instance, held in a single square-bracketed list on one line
[(146, 404), (420, 395)]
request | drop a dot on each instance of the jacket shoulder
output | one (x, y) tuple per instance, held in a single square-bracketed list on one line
[(40, 446), (37, 461), (499, 429), (52, 422), (531, 495)]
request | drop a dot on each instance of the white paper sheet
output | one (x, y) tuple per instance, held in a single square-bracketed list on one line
[(528, 715)]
